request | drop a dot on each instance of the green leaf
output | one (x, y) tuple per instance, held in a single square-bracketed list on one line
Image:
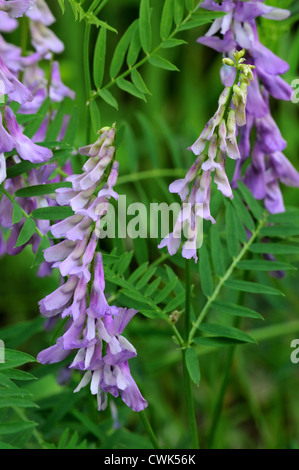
[(162, 63), (145, 30), (52, 213), (217, 252), (15, 359), (164, 293), (145, 278), (39, 257), (128, 87), (178, 301), (231, 231), (243, 212), (41, 189), (189, 4), (108, 98), (16, 426), (214, 329), (166, 19), (138, 273), (17, 402), (153, 287), (280, 231), (152, 314), (124, 262), (192, 365), (213, 341), (253, 287), (274, 248), (17, 213), (139, 82), (289, 217), (250, 200), (121, 49), (99, 58), (27, 231), (62, 5), (264, 265), (95, 116), (134, 49), (178, 12), (205, 272), (235, 310), (172, 42)]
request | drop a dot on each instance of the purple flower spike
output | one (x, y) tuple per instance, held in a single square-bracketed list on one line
[(93, 325)]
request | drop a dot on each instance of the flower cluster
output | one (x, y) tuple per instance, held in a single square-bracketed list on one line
[(238, 29), (94, 329), (220, 134), (30, 93)]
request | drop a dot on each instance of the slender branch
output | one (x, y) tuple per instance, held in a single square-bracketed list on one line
[(87, 76), (187, 379), (149, 429), (225, 278)]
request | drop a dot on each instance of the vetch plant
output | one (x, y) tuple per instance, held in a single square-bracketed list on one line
[(89, 118)]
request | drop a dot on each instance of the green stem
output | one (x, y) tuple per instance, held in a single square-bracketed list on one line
[(227, 372), (224, 279), (187, 379), (149, 429), (87, 77), (221, 395)]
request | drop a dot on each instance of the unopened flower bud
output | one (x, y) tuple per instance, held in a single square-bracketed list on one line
[(228, 61), (174, 316), (239, 54)]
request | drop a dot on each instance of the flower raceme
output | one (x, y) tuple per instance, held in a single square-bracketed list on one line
[(94, 328), (220, 135), (238, 29)]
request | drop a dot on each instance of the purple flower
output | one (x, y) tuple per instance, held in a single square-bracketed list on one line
[(10, 85), (41, 12), (14, 8), (24, 146), (58, 91), (7, 24), (44, 40)]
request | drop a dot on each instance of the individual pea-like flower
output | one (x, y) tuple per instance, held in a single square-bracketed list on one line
[(220, 135), (94, 328), (15, 8), (10, 85)]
